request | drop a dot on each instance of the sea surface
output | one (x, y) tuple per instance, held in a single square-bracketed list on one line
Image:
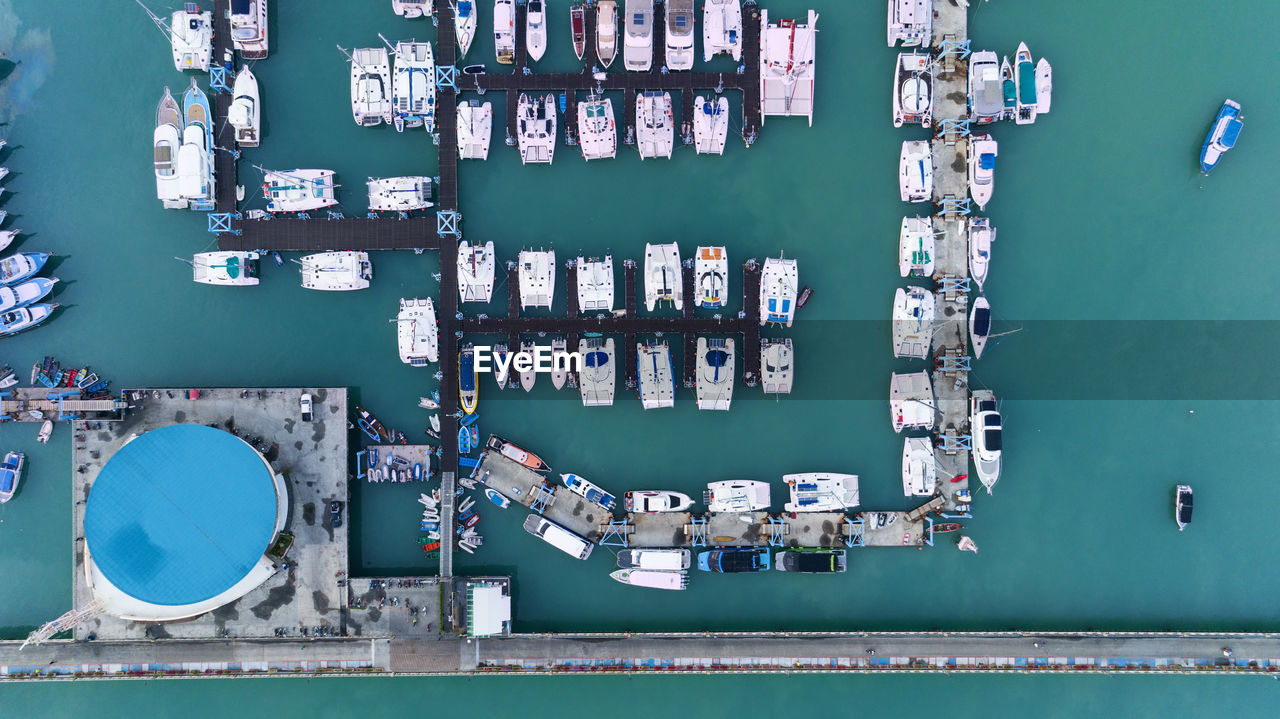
[(1142, 294)]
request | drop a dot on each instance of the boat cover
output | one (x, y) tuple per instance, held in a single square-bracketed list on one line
[(1231, 132), (987, 161), (981, 321), (1027, 82)]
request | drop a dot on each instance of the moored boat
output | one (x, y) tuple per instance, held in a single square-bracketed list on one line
[(734, 560), (722, 29), (529, 376), (536, 129), (10, 474), (737, 495), (714, 373), (195, 156), (537, 277), (982, 169), (915, 171), (559, 373), (228, 268), (399, 194), (16, 268), (986, 90), (245, 114), (24, 318), (597, 134), (606, 32), (913, 312), (468, 386), (981, 235), (821, 492), (986, 427), (637, 45), (370, 86), (595, 284), (657, 385), (659, 560), (910, 22), (370, 425), (711, 276), (915, 247), (674, 581), (475, 271), (1222, 135), (1183, 504), (495, 497), (1044, 87), (46, 431), (249, 28), (336, 271), (413, 86), (810, 561), (913, 89), (788, 53), (655, 126), (475, 128), (679, 34), (777, 368), (416, 333), (578, 29), (24, 293), (412, 9), (662, 276), (597, 379), (191, 34), (779, 286), (301, 190), (1024, 79), (911, 403), (919, 467), (535, 29), (464, 25), (516, 454), (167, 139), (8, 236), (504, 31), (653, 501), (589, 491), (979, 325), (710, 124)]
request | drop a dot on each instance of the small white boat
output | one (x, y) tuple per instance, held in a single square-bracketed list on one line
[(913, 312), (919, 467), (10, 475), (1024, 80), (779, 285), (910, 22), (370, 86), (821, 492), (675, 581), (298, 190), (504, 31), (915, 171), (399, 194), (913, 89), (537, 275), (559, 346), (986, 89), (475, 271), (981, 235), (657, 386), (777, 366), (536, 129), (464, 25), (606, 32), (233, 269), (651, 501), (249, 28), (598, 378), (986, 428), (710, 124), (428, 403), (911, 402), (475, 127), (46, 431), (655, 128), (413, 86), (195, 156), (915, 247), (679, 34), (535, 29), (982, 169), (662, 276), (529, 376), (711, 276), (737, 495), (597, 134), (1183, 504), (336, 271), (191, 33), (714, 373), (637, 45), (979, 325), (245, 114), (658, 560), (416, 332), (1044, 87), (788, 52), (167, 141), (595, 284), (966, 544), (412, 9), (722, 29)]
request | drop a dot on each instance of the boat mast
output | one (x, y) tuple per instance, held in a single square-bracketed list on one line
[(350, 57), (161, 24)]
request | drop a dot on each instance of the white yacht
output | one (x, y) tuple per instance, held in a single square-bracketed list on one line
[(537, 128), (195, 157), (657, 560), (982, 169), (504, 31), (711, 276), (979, 325), (336, 271), (413, 86), (412, 9), (651, 579), (537, 278), (167, 140), (647, 501), (399, 194), (606, 32), (919, 467), (1024, 82), (915, 247), (986, 90), (559, 346), (595, 284), (986, 427), (913, 89), (911, 22), (475, 271), (713, 381), (597, 378), (245, 113), (529, 376), (232, 269), (475, 127), (370, 86), (501, 378), (679, 34), (913, 310), (298, 190), (662, 276), (637, 45), (657, 386), (710, 124), (779, 285), (777, 365), (787, 54), (597, 134), (191, 34), (535, 29), (981, 236), (464, 25), (737, 495), (911, 401), (655, 128), (1044, 87), (416, 332), (722, 29), (915, 171), (821, 492), (249, 28)]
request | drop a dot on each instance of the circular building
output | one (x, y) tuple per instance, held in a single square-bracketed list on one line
[(178, 523)]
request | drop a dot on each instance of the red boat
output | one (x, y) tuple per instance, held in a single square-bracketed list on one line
[(947, 527), (431, 547), (805, 294), (514, 453), (578, 24)]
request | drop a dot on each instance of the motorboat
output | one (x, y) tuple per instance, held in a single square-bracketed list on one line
[(913, 312), (1183, 502), (606, 32), (722, 29), (982, 169), (195, 156), (652, 501), (416, 333), (657, 385), (504, 31), (637, 45), (536, 128), (24, 318), (1008, 88), (979, 325), (663, 276), (559, 371), (412, 9), (913, 89), (337, 271), (535, 29), (9, 378), (916, 247), (464, 25), (25, 293), (986, 428), (399, 194), (711, 276), (46, 431), (501, 365), (245, 113), (7, 237), (1222, 135), (595, 284), (589, 491), (537, 275), (558, 536), (191, 34), (529, 376), (1044, 87), (915, 171), (597, 379), (674, 581), (1024, 78), (810, 561), (475, 271), (735, 560), (468, 387), (371, 86), (497, 498), (911, 404), (227, 268), (777, 365), (413, 86), (298, 190), (578, 29), (737, 495), (249, 28), (919, 467), (475, 127), (655, 127), (821, 492), (516, 454), (597, 134), (16, 268), (714, 373), (981, 236), (167, 140), (710, 124), (679, 34), (657, 560), (986, 91), (787, 62), (910, 22), (779, 285), (10, 474)]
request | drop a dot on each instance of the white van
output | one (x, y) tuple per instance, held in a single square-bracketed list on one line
[(558, 537)]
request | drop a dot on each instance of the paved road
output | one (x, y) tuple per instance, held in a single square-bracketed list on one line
[(177, 651)]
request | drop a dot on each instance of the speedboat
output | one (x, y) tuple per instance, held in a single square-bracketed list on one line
[(578, 29), (597, 378), (501, 365), (416, 332), (298, 190), (637, 46), (986, 98), (228, 268), (919, 467), (910, 22), (24, 318), (370, 425), (779, 284), (589, 491), (1044, 87), (1222, 135), (915, 247), (595, 284), (810, 561), (821, 492), (679, 34), (529, 376), (16, 268), (559, 371), (371, 86), (597, 134), (658, 560), (1182, 504), (195, 157), (412, 9), (1008, 88), (475, 271), (713, 381), (249, 28), (787, 62), (777, 365), (399, 194), (915, 171), (662, 276), (10, 475), (1024, 78), (516, 454), (536, 129), (913, 311), (981, 235), (504, 31), (535, 30), (979, 325), (711, 276), (735, 560), (475, 127), (911, 404), (468, 387), (986, 428), (652, 501), (722, 29), (337, 271), (710, 124), (537, 275), (191, 33), (653, 365), (655, 128), (46, 431), (913, 89), (606, 32), (167, 141), (982, 168), (674, 581), (464, 25), (25, 293), (413, 86), (245, 114)]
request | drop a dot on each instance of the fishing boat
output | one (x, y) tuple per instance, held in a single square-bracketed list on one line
[(916, 247), (16, 268), (475, 271), (810, 561), (399, 194), (336, 271), (371, 426), (662, 276), (370, 86), (655, 128), (468, 387), (597, 134), (982, 169), (464, 441), (910, 22), (464, 25), (653, 365), (979, 325), (679, 34), (734, 560), (1024, 78), (913, 311), (674, 581), (913, 89), (1008, 88), (298, 190), (821, 492), (191, 34), (10, 475), (919, 467), (559, 371), (412, 9), (1222, 135), (710, 124), (722, 29), (504, 31), (606, 32), (7, 237), (1183, 502), (652, 501), (24, 318), (737, 495), (495, 497), (787, 62), (711, 276), (637, 41), (597, 379), (915, 171), (911, 404), (779, 284), (537, 276), (947, 527), (588, 491), (413, 86), (249, 28), (713, 378), (195, 156), (245, 114), (595, 284), (535, 29), (475, 127), (536, 129), (227, 268), (167, 140), (1044, 87), (529, 376), (986, 90), (986, 428), (776, 365), (657, 560), (46, 431), (516, 454), (416, 333), (981, 235), (578, 29)]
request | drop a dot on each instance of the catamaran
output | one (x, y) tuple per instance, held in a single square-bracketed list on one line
[(679, 34), (504, 31), (913, 89), (167, 141), (595, 284), (821, 492), (413, 86), (710, 125), (713, 380), (1024, 78), (16, 268), (190, 32), (711, 276), (913, 311), (779, 284), (249, 28), (662, 276), (468, 387), (777, 365), (475, 127), (416, 333), (656, 500), (399, 194), (919, 467), (24, 318), (979, 325), (606, 32), (245, 113), (915, 171), (597, 134), (986, 93), (915, 247), (195, 157), (298, 190), (657, 387), (464, 25), (535, 30), (981, 235), (232, 269), (10, 475), (336, 271), (1222, 135), (722, 29), (475, 271), (597, 379), (25, 293), (737, 495), (537, 129), (370, 86), (911, 404), (655, 128), (982, 168), (412, 9), (637, 46), (589, 491), (673, 581), (537, 278), (910, 22), (787, 61), (986, 427), (1044, 87)]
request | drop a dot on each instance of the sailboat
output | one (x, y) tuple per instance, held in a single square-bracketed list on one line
[(919, 467), (595, 284), (399, 194), (710, 125), (536, 129), (245, 114), (336, 271), (779, 285), (777, 365), (190, 33), (413, 85), (722, 29), (535, 29), (713, 381), (537, 277), (913, 89), (787, 64), (655, 128), (916, 247), (412, 9), (910, 22), (475, 127), (821, 492), (911, 404), (298, 190), (606, 32), (913, 312), (597, 134), (227, 268), (598, 377), (662, 276), (464, 25), (370, 86), (475, 271), (711, 276), (657, 386), (979, 325), (915, 171), (167, 141), (416, 332)]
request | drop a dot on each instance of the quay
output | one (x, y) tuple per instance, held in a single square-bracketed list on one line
[(60, 404)]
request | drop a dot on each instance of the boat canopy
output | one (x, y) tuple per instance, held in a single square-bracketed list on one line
[(1010, 93), (1231, 132), (240, 7), (981, 321), (987, 161), (1027, 83), (817, 562)]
